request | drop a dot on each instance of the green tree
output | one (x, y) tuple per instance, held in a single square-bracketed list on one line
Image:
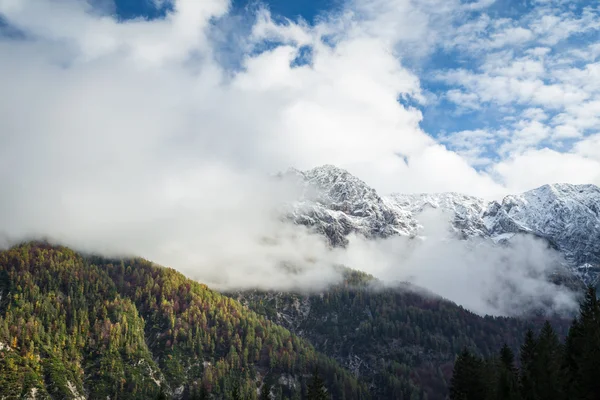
[(467, 381), (547, 365), (316, 388), (235, 393), (507, 387), (265, 390), (527, 382), (581, 362), (161, 395)]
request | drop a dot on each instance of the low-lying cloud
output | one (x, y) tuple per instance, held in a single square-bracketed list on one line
[(233, 234), (482, 276)]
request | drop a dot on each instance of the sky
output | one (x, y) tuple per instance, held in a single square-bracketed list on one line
[(151, 127), (484, 97)]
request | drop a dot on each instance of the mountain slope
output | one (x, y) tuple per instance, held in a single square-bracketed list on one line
[(401, 340), (567, 216), (74, 327)]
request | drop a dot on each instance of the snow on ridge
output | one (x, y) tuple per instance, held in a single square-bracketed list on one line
[(336, 204)]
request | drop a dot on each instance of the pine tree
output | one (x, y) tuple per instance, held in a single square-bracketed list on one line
[(547, 365), (507, 387), (161, 395), (582, 351), (235, 394), (316, 388), (527, 374), (467, 381)]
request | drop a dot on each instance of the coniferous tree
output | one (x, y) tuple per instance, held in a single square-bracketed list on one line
[(316, 388), (235, 394), (467, 381), (582, 351), (265, 390), (527, 375), (507, 387), (547, 365), (161, 395)]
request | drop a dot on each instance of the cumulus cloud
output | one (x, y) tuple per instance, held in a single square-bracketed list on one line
[(136, 137), (537, 61)]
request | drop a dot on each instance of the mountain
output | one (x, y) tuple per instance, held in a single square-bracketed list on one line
[(76, 326), (336, 204), (401, 341), (567, 217), (83, 327)]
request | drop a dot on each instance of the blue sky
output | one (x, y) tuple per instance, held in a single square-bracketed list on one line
[(411, 95)]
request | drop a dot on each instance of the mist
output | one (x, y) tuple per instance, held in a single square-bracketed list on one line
[(487, 278)]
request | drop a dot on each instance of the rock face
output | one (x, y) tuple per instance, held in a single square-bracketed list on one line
[(336, 204), (567, 216)]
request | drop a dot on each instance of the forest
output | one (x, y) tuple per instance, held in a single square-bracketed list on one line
[(76, 326), (401, 341)]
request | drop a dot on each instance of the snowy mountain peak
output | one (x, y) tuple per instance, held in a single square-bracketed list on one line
[(336, 204), (568, 216), (340, 186)]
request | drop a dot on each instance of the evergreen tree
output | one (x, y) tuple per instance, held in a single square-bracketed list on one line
[(161, 395), (582, 351), (316, 388), (467, 381), (527, 382), (547, 365), (235, 394), (507, 387)]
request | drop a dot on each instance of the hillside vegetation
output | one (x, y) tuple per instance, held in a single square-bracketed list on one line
[(74, 327)]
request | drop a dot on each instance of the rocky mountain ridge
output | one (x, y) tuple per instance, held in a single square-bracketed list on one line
[(336, 203)]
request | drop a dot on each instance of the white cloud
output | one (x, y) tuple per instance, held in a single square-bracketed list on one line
[(536, 114), (132, 137), (589, 147), (537, 167), (129, 137), (545, 91), (525, 135), (500, 280), (463, 99)]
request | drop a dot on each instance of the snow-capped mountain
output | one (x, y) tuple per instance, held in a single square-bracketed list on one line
[(335, 203), (567, 216)]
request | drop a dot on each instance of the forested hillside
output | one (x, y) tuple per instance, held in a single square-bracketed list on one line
[(73, 327), (400, 340)]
